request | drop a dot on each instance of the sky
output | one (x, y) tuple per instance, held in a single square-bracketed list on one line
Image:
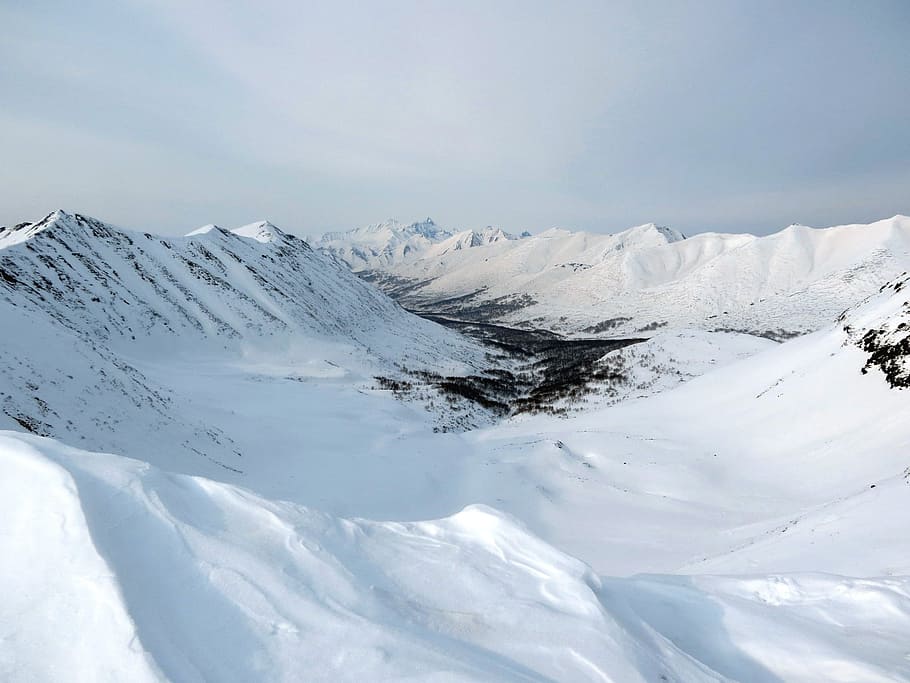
[(163, 115)]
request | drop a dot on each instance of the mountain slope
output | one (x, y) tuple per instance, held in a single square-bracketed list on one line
[(87, 307), (794, 460), (789, 282)]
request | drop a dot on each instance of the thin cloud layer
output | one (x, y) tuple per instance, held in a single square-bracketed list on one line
[(721, 116)]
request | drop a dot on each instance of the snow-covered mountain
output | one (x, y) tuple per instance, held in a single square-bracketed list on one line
[(92, 313), (261, 231), (766, 502), (650, 277), (749, 524), (390, 243), (380, 244)]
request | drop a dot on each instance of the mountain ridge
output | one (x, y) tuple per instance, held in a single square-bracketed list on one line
[(790, 282), (92, 310)]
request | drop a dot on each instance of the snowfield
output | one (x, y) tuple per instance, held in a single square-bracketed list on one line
[(182, 578), (200, 479)]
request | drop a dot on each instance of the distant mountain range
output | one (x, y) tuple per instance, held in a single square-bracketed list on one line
[(391, 243), (641, 279)]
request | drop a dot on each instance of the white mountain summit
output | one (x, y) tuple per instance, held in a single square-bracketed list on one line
[(387, 244)]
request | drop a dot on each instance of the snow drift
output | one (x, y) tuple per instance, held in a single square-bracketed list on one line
[(171, 577)]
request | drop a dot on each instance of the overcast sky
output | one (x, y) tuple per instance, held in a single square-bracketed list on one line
[(163, 115)]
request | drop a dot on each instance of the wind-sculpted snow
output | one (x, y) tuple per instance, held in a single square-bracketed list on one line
[(649, 277), (115, 570)]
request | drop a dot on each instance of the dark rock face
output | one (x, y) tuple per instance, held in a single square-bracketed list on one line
[(888, 346), (890, 355)]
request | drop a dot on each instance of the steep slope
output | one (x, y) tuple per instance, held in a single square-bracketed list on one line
[(88, 307), (883, 332), (790, 282)]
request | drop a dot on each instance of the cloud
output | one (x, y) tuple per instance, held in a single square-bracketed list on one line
[(586, 114)]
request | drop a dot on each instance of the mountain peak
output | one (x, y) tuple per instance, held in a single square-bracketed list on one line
[(23, 232), (204, 230), (426, 228), (647, 235), (261, 231)]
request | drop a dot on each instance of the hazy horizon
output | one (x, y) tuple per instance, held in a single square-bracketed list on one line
[(703, 116)]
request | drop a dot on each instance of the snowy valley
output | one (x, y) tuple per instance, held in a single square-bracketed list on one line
[(633, 457)]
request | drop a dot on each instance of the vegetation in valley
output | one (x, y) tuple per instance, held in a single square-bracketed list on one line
[(530, 371)]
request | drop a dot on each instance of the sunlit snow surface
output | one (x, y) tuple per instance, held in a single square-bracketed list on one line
[(749, 525)]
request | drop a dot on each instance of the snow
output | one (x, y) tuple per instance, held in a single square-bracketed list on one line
[(391, 243), (224, 494), (261, 231), (204, 230), (653, 275), (198, 580), (670, 358), (90, 311)]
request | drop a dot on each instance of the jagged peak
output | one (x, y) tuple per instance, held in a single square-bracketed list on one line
[(55, 220), (491, 234), (391, 228), (427, 228), (476, 238), (387, 224)]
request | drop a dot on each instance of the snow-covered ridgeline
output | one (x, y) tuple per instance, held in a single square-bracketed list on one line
[(253, 283), (795, 280), (390, 243), (86, 306)]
